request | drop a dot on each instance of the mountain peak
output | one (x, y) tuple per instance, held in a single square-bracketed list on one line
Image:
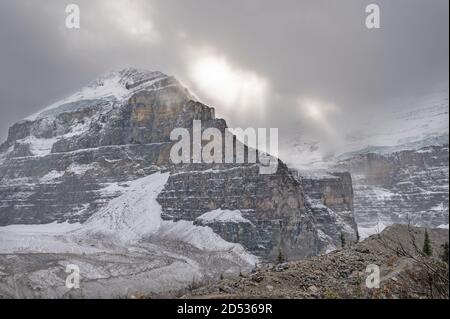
[(129, 76), (113, 86)]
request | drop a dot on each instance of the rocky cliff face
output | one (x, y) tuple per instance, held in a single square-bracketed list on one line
[(408, 186), (69, 161), (329, 196)]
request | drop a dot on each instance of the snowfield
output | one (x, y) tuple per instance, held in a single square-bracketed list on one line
[(125, 244), (40, 239), (131, 216)]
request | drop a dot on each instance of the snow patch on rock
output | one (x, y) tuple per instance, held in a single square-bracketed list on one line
[(39, 146), (51, 176), (223, 216), (365, 232), (80, 169)]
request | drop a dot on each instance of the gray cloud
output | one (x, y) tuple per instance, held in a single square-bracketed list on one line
[(317, 49)]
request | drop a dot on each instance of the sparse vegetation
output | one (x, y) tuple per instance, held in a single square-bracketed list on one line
[(444, 254), (194, 284), (280, 258), (330, 294), (427, 250), (406, 271), (430, 275), (343, 242)]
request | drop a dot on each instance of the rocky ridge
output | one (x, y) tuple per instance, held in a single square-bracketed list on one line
[(340, 274)]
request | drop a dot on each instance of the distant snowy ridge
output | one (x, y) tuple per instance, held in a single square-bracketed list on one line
[(419, 146), (409, 126)]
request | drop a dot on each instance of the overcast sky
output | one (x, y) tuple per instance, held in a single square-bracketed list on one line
[(258, 62)]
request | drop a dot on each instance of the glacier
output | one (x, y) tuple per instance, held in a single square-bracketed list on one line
[(129, 225)]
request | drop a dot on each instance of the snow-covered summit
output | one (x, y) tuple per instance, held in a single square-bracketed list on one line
[(113, 86), (92, 110)]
